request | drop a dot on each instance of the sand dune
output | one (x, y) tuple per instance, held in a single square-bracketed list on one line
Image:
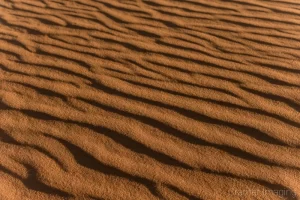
[(149, 99)]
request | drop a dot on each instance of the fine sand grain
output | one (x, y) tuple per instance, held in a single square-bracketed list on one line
[(149, 99)]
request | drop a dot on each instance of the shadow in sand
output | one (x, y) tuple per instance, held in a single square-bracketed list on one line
[(32, 182)]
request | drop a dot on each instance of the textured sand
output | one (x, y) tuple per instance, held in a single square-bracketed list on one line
[(149, 99)]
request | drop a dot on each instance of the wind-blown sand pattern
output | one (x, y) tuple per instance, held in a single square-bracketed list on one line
[(149, 99)]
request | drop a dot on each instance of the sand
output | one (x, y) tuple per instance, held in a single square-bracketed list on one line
[(149, 99)]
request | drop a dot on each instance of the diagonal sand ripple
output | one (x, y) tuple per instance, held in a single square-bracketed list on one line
[(149, 99)]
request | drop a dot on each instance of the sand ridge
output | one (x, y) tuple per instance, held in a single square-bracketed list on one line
[(149, 99)]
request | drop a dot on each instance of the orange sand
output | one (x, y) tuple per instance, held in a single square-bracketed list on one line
[(149, 99)]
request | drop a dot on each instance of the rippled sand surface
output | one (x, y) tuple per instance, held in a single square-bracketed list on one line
[(149, 99)]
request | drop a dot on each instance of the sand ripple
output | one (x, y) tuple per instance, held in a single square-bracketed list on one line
[(149, 99)]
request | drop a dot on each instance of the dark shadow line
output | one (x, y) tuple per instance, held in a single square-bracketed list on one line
[(252, 132), (85, 159)]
